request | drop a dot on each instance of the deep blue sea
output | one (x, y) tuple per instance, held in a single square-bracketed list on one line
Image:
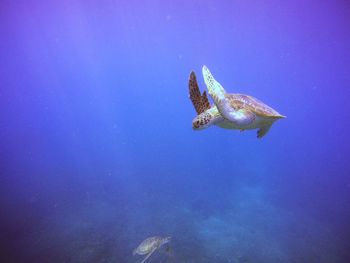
[(97, 150)]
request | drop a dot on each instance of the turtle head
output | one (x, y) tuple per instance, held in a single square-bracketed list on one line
[(166, 239), (202, 121)]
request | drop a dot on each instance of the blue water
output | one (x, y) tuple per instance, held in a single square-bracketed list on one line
[(97, 150)]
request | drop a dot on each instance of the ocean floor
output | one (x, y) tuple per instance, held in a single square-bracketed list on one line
[(248, 228)]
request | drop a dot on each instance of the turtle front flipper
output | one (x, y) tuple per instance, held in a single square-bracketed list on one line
[(149, 254), (199, 101), (240, 117), (216, 91)]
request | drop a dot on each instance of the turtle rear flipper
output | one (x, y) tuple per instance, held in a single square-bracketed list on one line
[(263, 130), (199, 101)]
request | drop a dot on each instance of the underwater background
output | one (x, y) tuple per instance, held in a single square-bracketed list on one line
[(97, 150)]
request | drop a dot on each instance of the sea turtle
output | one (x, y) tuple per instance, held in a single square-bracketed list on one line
[(230, 111), (149, 245)]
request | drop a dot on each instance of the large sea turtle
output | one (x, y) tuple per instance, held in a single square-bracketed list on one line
[(230, 111), (149, 245)]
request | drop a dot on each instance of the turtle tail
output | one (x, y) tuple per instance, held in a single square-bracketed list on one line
[(216, 91)]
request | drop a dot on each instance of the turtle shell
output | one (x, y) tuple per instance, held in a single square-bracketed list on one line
[(147, 245), (241, 101)]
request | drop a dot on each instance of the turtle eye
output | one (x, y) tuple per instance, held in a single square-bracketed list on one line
[(196, 124)]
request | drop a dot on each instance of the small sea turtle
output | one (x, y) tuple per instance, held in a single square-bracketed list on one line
[(230, 111), (149, 245)]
